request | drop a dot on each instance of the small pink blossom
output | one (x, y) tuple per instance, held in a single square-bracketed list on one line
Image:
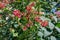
[(24, 28), (37, 18), (58, 12), (28, 25), (32, 4), (2, 5), (44, 23), (28, 8), (17, 13)]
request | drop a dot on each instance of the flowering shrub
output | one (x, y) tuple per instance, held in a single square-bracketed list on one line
[(20, 21)]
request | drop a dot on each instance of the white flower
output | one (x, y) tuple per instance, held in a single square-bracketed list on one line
[(33, 8), (1, 11), (10, 8), (7, 18)]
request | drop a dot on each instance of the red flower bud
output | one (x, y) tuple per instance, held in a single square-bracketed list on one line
[(36, 12), (28, 25), (37, 19), (17, 13), (28, 8), (24, 28), (32, 4), (44, 23), (2, 5), (6, 1)]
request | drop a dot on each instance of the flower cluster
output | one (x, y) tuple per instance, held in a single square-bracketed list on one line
[(58, 13), (27, 22), (17, 13), (29, 7), (2, 5), (42, 23)]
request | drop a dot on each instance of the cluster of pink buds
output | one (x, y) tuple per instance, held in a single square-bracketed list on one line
[(2, 5), (43, 23), (29, 7), (27, 25), (24, 28), (17, 13)]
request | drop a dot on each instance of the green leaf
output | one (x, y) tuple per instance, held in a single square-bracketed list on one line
[(42, 39), (1, 11), (45, 32), (53, 38), (15, 34), (58, 25), (58, 29), (16, 25), (51, 25), (23, 20), (55, 18), (0, 21), (40, 34), (44, 18)]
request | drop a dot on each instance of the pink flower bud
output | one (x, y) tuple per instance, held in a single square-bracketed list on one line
[(2, 5), (17, 13), (24, 28)]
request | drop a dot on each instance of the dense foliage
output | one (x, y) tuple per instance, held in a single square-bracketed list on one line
[(29, 20)]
